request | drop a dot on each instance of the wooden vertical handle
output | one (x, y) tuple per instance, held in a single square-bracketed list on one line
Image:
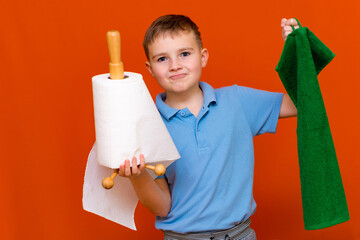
[(116, 67)]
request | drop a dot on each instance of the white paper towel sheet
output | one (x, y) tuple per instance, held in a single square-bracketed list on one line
[(127, 123), (117, 204)]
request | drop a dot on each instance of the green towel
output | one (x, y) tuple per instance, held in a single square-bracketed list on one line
[(323, 196)]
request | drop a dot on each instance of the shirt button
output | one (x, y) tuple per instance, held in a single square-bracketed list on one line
[(182, 113)]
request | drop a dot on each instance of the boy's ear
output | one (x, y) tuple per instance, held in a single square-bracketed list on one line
[(204, 57), (148, 67)]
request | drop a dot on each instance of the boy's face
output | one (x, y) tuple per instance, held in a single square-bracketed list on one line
[(176, 61)]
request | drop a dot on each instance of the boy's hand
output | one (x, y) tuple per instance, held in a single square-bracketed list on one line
[(126, 171), (286, 26)]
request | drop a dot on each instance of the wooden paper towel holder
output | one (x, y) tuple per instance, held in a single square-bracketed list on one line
[(116, 68)]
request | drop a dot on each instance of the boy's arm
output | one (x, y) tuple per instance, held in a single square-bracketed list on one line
[(154, 195), (287, 108)]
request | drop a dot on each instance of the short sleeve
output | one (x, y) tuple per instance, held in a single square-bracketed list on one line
[(261, 109)]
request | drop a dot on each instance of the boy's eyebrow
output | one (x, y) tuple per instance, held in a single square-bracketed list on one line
[(179, 50), (184, 49)]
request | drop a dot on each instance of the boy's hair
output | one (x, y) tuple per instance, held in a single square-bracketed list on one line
[(170, 24)]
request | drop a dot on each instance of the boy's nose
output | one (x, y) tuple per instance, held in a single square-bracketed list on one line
[(175, 65)]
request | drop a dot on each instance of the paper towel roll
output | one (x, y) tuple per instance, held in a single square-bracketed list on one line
[(128, 123)]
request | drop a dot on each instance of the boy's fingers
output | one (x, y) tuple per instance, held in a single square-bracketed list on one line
[(127, 168), (134, 168), (287, 28), (286, 34), (291, 21), (142, 162), (122, 170), (283, 22)]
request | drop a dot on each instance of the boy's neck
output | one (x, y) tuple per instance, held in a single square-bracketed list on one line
[(193, 100)]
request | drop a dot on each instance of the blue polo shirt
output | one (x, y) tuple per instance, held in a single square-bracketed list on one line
[(211, 184)]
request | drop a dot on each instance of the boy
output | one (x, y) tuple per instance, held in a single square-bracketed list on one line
[(207, 193)]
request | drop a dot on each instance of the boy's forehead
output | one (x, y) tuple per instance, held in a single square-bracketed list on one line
[(174, 35), (178, 37)]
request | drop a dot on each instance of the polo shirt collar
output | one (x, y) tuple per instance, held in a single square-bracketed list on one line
[(164, 109), (209, 93), (168, 112)]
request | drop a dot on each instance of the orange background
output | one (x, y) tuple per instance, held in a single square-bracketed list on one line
[(51, 49)]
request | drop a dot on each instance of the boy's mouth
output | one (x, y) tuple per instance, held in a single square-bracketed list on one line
[(177, 76)]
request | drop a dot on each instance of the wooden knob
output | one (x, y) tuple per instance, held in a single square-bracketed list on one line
[(116, 67), (159, 169), (108, 182)]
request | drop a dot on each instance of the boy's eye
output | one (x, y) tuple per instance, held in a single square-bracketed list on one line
[(161, 59), (184, 54)]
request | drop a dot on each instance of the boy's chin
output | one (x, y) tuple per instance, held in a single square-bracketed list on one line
[(180, 88)]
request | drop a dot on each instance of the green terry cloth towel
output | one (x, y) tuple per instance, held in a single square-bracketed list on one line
[(323, 196)]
